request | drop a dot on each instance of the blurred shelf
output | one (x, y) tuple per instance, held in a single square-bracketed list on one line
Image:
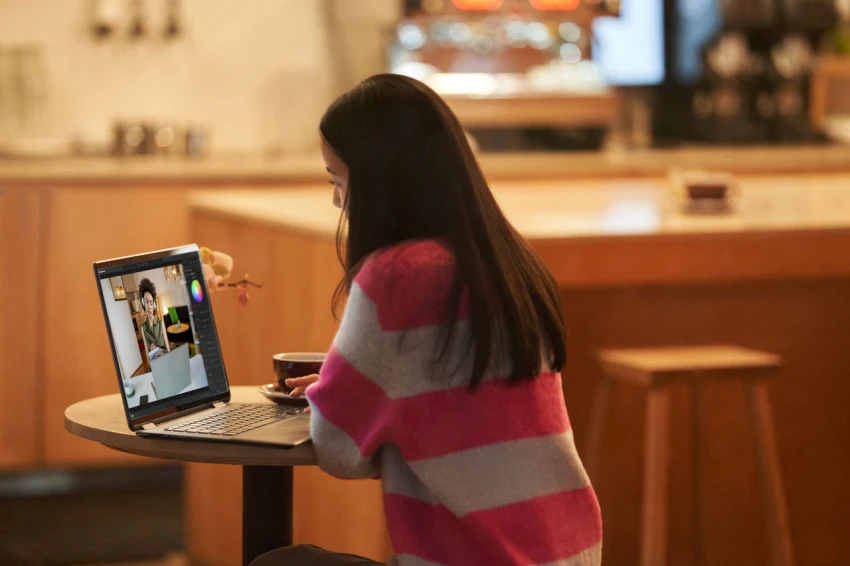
[(550, 110), (257, 171)]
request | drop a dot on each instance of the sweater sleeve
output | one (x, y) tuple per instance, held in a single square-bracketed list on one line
[(349, 413), (355, 400), (346, 440)]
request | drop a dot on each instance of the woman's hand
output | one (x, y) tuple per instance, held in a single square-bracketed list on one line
[(300, 384)]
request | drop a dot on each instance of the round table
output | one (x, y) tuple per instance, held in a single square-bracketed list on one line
[(266, 470), (178, 328)]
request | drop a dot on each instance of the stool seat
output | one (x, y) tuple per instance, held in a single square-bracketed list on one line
[(659, 369), (655, 367)]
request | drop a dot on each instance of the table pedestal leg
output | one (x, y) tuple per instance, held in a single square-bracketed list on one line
[(266, 510)]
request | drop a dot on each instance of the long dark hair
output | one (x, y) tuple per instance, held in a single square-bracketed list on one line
[(412, 176)]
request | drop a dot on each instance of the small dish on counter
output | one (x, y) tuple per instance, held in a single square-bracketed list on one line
[(273, 392), (705, 192)]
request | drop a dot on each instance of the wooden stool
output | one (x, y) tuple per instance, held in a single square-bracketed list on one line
[(658, 369)]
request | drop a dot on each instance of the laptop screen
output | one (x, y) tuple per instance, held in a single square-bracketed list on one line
[(162, 332)]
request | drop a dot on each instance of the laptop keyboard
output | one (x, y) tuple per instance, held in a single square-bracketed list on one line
[(232, 420)]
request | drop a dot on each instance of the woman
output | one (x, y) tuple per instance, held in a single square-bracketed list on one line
[(443, 378), (153, 330)]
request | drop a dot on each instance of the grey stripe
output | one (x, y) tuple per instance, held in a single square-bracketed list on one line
[(397, 478), (411, 560), (503, 473), (337, 452), (402, 363), (590, 557)]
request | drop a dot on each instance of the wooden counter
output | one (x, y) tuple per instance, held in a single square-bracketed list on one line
[(634, 272), (250, 170), (535, 110), (175, 171), (623, 232)]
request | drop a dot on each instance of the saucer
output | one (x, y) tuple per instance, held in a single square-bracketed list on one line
[(272, 391)]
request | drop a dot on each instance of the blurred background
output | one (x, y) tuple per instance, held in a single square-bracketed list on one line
[(683, 166)]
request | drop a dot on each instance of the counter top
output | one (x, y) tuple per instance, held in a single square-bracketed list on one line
[(247, 170), (616, 232), (212, 170), (549, 210)]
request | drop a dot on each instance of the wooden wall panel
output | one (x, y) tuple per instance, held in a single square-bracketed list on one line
[(20, 415), (82, 225), (803, 321)]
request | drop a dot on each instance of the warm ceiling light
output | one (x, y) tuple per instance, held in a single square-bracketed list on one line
[(556, 5), (481, 5)]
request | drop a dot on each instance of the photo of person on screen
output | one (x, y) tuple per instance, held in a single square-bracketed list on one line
[(153, 329)]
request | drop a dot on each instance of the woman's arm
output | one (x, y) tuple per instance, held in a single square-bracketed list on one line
[(349, 411), (148, 347), (360, 400)]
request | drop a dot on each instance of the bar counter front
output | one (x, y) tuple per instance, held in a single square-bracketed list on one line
[(774, 275)]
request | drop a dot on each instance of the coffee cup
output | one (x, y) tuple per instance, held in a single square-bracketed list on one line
[(295, 364)]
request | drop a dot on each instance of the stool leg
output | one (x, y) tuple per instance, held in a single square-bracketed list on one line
[(598, 414), (655, 471), (770, 475), (696, 467)]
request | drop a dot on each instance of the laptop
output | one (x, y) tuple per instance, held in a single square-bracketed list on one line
[(170, 372), (190, 394)]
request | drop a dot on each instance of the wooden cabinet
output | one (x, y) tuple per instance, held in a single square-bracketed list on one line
[(54, 349), (80, 226), (20, 272)]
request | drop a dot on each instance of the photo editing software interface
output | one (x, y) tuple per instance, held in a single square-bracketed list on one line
[(163, 335)]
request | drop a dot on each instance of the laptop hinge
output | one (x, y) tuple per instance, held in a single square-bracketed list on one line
[(156, 422), (219, 404)]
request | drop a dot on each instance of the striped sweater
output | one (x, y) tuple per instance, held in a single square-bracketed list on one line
[(484, 478)]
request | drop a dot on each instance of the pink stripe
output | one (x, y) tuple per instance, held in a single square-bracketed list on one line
[(347, 399), (440, 422), (411, 285), (449, 420), (535, 531)]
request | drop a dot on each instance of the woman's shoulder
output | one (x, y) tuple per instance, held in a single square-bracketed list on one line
[(415, 262), (411, 277), (417, 255)]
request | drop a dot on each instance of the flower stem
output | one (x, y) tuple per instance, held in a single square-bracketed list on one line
[(242, 282)]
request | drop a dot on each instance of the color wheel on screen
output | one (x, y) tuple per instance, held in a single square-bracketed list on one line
[(197, 292)]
